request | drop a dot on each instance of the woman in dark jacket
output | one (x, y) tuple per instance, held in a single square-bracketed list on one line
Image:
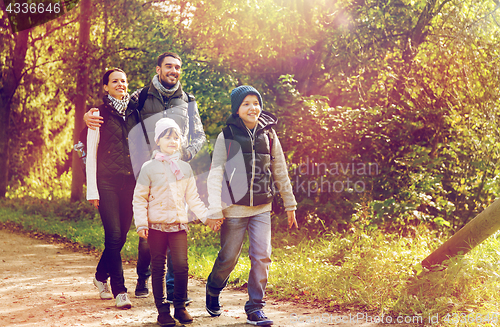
[(111, 182)]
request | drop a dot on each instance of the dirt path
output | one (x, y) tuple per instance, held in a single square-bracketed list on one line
[(48, 284)]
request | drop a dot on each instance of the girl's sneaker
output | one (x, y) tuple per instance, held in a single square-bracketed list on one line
[(104, 292), (258, 318), (122, 301)]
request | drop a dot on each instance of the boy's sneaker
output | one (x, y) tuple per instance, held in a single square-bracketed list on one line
[(141, 289), (213, 305), (258, 318), (104, 292), (170, 299), (122, 301), (165, 319)]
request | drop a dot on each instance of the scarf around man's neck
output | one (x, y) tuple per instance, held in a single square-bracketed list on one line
[(120, 105), (172, 160), (162, 89)]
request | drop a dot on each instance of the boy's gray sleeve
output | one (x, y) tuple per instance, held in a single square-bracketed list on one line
[(214, 181), (280, 175)]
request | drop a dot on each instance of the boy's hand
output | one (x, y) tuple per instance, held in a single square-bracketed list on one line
[(92, 121), (291, 219), (143, 233), (215, 224)]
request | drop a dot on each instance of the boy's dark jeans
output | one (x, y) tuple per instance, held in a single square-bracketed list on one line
[(115, 209), (158, 243)]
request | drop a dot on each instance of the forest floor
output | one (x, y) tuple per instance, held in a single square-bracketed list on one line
[(47, 282)]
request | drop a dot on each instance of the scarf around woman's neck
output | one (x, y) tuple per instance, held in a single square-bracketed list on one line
[(120, 105), (162, 89), (172, 160)]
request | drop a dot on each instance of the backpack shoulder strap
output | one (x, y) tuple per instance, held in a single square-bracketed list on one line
[(270, 135), (190, 97), (271, 139), (142, 97)]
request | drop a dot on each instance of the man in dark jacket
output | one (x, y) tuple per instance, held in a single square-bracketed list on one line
[(165, 98)]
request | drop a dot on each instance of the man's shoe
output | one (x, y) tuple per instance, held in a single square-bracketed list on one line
[(141, 289), (170, 299), (104, 292), (122, 301), (213, 305), (183, 316), (258, 318), (165, 319)]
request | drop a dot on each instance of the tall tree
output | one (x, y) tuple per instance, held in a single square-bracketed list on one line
[(11, 76), (81, 96)]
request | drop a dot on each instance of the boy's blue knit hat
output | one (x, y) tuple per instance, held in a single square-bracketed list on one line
[(239, 94)]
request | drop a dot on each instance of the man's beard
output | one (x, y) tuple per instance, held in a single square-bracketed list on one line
[(167, 85)]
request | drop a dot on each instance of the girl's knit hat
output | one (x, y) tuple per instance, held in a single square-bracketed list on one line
[(239, 94), (164, 124)]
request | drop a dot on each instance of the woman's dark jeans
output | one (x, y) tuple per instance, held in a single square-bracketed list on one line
[(115, 208), (158, 243)]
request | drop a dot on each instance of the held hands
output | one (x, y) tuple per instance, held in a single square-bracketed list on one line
[(291, 219), (143, 233), (215, 224), (92, 121)]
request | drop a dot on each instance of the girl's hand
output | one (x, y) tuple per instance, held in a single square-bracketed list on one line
[(143, 233), (215, 224), (95, 203), (291, 219)]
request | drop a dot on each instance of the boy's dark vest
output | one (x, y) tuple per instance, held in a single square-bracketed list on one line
[(257, 162), (113, 154)]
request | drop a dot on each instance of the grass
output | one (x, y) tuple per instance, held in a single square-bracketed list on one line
[(360, 271)]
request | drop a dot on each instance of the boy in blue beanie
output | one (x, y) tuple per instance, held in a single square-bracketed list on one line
[(248, 155)]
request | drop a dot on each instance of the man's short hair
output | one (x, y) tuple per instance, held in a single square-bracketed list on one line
[(167, 54)]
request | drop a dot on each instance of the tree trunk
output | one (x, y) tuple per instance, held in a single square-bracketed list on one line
[(81, 97), (11, 78), (472, 234)]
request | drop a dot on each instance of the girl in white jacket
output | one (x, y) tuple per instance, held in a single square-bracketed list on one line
[(165, 184)]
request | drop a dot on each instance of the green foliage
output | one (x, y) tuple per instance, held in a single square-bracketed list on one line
[(408, 88)]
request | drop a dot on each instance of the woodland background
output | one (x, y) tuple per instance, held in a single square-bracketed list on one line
[(408, 85)]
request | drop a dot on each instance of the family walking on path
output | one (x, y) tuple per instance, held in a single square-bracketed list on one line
[(248, 166)]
